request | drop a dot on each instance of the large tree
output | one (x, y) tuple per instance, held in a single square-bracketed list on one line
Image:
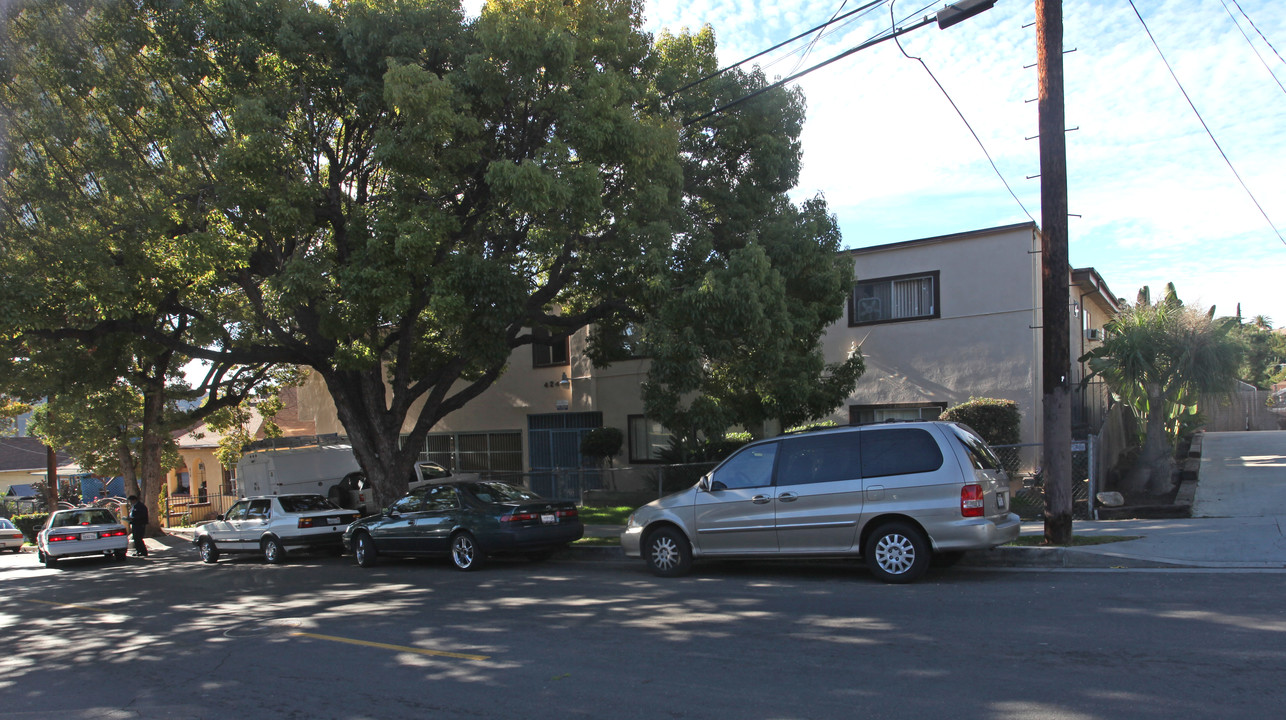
[(398, 197), (1158, 358), (733, 327), (105, 149)]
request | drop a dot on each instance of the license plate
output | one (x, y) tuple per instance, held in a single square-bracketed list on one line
[(332, 521), (548, 518), (1000, 501)]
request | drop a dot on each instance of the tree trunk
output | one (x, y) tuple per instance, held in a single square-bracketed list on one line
[(151, 475), (1157, 457), (129, 473), (374, 430)]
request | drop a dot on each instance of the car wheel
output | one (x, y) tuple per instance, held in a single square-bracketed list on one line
[(50, 561), (118, 554), (897, 553), (364, 550), (209, 553), (465, 554), (272, 550), (667, 553), (40, 555)]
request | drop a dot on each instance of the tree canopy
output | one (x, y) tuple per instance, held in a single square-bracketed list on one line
[(399, 197), (1158, 358)]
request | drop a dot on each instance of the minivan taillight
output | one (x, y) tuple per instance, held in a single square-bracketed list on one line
[(971, 501)]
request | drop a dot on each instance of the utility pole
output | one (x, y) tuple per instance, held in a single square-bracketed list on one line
[(1055, 300)]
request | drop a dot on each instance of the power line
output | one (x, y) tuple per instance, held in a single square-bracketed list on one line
[(1257, 30), (1204, 125), (1252, 44), (873, 41), (966, 122), (781, 44)]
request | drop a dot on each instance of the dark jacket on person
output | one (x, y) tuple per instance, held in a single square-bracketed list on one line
[(138, 514)]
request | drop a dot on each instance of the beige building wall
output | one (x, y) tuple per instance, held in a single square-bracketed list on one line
[(985, 341)]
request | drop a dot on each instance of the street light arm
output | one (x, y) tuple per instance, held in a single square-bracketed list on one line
[(963, 10)]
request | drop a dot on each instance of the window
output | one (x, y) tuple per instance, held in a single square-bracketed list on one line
[(499, 451), (238, 511), (868, 414), (899, 451), (819, 459), (441, 497), (259, 510), (893, 299), (548, 355), (412, 503), (751, 467), (648, 439)]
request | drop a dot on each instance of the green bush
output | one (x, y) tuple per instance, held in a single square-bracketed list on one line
[(997, 421), (30, 524), (602, 443)]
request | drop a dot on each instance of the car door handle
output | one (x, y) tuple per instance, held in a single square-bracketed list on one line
[(788, 497), (761, 499)]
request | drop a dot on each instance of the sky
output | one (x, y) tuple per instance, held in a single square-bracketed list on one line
[(1152, 198)]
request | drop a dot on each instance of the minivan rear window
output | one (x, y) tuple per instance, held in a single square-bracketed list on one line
[(899, 451), (980, 454)]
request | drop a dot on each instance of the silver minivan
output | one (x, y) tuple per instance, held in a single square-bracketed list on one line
[(894, 493)]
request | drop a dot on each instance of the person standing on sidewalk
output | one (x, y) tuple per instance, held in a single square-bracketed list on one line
[(138, 525)]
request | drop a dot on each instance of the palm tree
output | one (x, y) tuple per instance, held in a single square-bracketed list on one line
[(1158, 358)]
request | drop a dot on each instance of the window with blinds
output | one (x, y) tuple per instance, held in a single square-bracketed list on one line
[(893, 299)]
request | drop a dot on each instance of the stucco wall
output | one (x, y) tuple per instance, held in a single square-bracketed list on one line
[(985, 343)]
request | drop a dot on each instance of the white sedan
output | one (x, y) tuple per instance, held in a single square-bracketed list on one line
[(78, 532), (273, 525), (10, 536)]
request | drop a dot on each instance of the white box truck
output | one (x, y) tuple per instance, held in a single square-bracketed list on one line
[(324, 466)]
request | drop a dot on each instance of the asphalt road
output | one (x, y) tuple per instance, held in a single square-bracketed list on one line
[(169, 637)]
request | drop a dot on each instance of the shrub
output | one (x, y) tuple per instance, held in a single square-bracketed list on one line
[(602, 443), (997, 421), (30, 524)]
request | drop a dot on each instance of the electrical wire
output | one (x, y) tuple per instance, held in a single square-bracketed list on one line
[(876, 39), (955, 107), (779, 45), (813, 43), (1252, 44), (1204, 125), (1257, 30)]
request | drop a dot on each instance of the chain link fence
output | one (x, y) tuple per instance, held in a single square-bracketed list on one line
[(1023, 463)]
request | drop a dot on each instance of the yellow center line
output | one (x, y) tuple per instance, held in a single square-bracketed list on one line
[(386, 646), (69, 605)]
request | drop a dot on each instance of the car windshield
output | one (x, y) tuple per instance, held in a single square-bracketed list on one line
[(498, 492), (306, 503), (84, 517)]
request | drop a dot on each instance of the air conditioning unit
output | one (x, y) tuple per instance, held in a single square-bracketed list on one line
[(1094, 334)]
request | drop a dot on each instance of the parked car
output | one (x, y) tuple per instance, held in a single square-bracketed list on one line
[(274, 525), (10, 536), (78, 532), (893, 494), (466, 521)]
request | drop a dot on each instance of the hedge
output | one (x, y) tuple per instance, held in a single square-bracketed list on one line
[(997, 421), (30, 524)]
